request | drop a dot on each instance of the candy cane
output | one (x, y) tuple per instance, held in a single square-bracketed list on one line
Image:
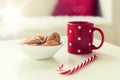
[(76, 68)]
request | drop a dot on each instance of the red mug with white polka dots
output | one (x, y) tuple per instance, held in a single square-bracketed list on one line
[(80, 37)]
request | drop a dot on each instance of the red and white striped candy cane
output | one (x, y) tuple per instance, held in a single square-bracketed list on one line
[(76, 68)]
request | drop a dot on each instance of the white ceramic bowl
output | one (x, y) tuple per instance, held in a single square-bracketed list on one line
[(40, 52)]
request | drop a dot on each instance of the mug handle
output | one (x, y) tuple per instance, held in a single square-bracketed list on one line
[(102, 36)]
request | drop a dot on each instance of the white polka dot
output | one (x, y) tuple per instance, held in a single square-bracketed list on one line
[(78, 50), (79, 38), (79, 27), (89, 44), (70, 31), (89, 31), (70, 44)]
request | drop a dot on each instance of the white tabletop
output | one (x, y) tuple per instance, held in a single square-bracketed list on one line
[(14, 65)]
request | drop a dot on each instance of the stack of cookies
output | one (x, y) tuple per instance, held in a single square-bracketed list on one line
[(52, 39)]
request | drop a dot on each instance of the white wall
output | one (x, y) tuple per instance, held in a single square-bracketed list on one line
[(116, 21), (31, 7)]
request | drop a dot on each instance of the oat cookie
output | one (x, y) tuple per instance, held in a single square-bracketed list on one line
[(51, 43), (32, 40), (54, 36)]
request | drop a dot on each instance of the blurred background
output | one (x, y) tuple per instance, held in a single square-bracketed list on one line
[(21, 18)]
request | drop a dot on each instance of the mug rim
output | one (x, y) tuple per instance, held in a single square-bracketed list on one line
[(80, 22)]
